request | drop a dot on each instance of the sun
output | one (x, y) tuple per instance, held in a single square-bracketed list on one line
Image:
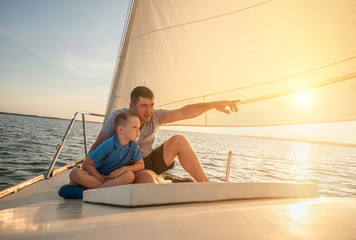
[(303, 98)]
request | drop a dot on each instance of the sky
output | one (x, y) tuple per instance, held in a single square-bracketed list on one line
[(58, 57)]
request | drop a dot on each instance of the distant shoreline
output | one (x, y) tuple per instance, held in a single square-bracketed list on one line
[(30, 115)]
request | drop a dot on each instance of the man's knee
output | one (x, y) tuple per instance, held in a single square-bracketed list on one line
[(177, 141), (144, 172), (145, 176)]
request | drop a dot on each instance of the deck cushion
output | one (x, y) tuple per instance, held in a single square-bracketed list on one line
[(71, 192)]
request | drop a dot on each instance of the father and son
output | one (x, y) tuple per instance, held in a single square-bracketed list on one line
[(124, 153)]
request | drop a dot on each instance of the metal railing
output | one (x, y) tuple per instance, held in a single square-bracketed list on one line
[(61, 144)]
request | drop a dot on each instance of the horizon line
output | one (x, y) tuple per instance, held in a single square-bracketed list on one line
[(353, 145)]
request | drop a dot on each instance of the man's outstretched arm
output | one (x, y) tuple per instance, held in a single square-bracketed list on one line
[(195, 110)]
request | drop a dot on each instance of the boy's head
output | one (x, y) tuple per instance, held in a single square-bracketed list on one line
[(142, 103), (128, 125)]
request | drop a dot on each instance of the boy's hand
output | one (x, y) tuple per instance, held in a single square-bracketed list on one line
[(117, 172)]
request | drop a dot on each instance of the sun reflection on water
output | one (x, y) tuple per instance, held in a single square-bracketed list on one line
[(299, 159)]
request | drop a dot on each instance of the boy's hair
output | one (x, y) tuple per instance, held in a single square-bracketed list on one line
[(141, 91), (122, 118)]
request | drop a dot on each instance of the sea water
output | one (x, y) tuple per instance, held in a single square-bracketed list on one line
[(28, 145)]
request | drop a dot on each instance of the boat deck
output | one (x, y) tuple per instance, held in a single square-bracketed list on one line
[(37, 212)]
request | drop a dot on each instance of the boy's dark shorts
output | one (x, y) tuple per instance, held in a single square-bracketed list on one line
[(155, 161)]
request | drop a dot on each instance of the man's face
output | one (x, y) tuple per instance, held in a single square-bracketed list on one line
[(143, 108)]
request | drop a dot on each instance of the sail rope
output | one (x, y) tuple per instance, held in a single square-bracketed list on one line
[(315, 85), (122, 51), (308, 87)]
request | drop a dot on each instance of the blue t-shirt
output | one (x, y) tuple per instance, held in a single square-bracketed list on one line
[(111, 155)]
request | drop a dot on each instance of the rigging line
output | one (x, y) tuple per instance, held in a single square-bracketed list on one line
[(261, 125), (202, 20), (263, 83), (124, 32), (121, 56), (290, 91), (126, 26)]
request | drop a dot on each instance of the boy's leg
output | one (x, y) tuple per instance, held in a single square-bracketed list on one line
[(81, 177), (126, 178)]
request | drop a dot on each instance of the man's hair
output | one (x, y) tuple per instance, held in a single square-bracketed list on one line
[(122, 118), (141, 91)]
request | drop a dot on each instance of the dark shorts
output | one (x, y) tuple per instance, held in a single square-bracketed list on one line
[(155, 161)]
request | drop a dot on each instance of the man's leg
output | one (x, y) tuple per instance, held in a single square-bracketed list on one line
[(179, 146), (148, 176)]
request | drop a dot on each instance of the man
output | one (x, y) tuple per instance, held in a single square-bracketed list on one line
[(162, 158)]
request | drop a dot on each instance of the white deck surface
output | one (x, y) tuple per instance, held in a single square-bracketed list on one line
[(36, 212)]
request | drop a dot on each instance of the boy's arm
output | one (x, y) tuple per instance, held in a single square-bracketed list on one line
[(137, 166), (88, 166)]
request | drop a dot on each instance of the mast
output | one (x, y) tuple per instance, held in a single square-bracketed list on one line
[(121, 54)]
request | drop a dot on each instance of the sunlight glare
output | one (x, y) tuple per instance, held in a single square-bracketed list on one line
[(14, 220), (299, 156), (300, 151), (299, 211), (303, 98)]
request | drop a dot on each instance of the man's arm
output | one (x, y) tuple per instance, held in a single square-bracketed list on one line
[(101, 138), (195, 110)]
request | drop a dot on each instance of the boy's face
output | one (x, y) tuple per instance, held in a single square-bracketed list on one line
[(131, 130), (143, 108)]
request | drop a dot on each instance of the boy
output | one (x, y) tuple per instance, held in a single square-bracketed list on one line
[(107, 166)]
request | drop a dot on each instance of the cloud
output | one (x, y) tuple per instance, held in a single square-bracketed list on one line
[(88, 68)]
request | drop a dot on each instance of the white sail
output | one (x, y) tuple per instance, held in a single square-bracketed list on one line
[(288, 62)]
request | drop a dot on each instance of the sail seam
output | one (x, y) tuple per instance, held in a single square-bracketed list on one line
[(201, 20)]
